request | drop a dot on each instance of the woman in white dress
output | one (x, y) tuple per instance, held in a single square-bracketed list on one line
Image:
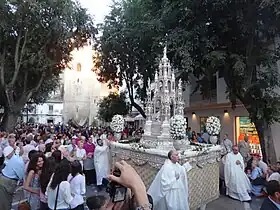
[(101, 162)]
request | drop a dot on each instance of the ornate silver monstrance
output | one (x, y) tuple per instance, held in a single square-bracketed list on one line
[(165, 102)]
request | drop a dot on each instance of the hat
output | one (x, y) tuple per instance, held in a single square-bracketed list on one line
[(49, 141), (8, 150)]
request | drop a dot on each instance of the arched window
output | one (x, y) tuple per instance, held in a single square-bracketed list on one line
[(79, 67)]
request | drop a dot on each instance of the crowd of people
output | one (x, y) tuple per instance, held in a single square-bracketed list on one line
[(56, 163)]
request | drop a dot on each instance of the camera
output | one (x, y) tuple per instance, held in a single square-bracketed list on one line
[(116, 191)]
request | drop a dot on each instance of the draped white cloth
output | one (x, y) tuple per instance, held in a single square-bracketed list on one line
[(237, 183), (169, 193), (101, 162)]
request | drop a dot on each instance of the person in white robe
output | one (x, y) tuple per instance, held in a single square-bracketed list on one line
[(169, 189), (101, 162), (237, 183), (103, 136)]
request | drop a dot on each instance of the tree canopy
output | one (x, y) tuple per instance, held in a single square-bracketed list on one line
[(127, 53), (111, 105), (236, 39), (36, 40)]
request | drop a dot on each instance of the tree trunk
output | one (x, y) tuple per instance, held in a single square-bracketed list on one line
[(9, 121), (266, 141), (139, 108), (263, 129)]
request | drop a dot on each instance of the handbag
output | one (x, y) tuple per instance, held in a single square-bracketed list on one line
[(24, 205), (56, 197), (259, 181)]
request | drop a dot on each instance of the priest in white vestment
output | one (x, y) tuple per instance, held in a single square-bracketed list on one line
[(169, 189), (101, 161), (237, 183)]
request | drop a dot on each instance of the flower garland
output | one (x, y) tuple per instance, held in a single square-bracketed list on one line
[(117, 123), (177, 127), (213, 126), (137, 147)]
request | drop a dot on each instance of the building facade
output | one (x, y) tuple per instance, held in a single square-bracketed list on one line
[(49, 112), (82, 90), (235, 122), (77, 97)]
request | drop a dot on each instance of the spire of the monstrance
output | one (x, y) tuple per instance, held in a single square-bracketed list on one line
[(165, 52)]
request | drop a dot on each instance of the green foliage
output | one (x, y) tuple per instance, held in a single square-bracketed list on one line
[(233, 37), (111, 105), (36, 40), (236, 39)]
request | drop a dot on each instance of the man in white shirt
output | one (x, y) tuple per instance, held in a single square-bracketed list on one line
[(12, 143), (169, 189)]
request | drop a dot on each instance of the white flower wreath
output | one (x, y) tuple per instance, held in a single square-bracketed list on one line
[(177, 127), (213, 126), (117, 123)]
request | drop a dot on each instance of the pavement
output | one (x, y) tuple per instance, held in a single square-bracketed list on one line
[(226, 203), (222, 203)]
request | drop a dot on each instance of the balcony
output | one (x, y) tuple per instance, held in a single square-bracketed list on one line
[(198, 100)]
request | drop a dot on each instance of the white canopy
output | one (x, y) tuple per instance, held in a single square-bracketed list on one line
[(139, 117), (129, 119)]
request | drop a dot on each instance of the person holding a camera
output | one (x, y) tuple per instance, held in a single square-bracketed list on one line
[(126, 177)]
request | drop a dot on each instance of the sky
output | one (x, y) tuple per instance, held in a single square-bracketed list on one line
[(98, 8)]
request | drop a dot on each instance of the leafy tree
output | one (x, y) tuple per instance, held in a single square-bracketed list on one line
[(36, 39), (237, 39), (125, 49), (111, 105)]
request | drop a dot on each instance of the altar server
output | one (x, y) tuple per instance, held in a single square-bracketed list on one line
[(169, 189), (101, 162), (237, 183)]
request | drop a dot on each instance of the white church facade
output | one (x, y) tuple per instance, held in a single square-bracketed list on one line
[(77, 97), (82, 90)]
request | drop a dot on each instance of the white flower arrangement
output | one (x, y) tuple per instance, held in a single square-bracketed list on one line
[(213, 126), (117, 123), (177, 127)]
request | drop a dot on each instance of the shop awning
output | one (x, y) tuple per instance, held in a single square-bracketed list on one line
[(129, 119), (139, 117)]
